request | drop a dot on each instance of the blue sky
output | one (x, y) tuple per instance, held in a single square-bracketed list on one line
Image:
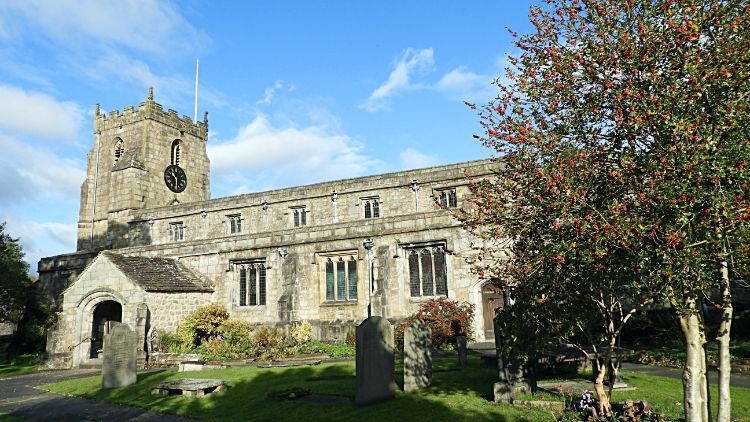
[(297, 92)]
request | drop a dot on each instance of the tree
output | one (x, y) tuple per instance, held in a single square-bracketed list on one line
[(624, 141), (15, 285)]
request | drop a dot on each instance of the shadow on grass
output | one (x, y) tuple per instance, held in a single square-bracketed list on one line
[(454, 396)]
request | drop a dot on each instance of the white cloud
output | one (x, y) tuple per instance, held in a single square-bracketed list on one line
[(413, 159), (30, 173), (146, 25), (465, 85), (399, 80), (38, 114), (271, 90), (263, 156), (40, 240)]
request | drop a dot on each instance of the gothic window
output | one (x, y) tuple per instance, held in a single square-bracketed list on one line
[(252, 284), (176, 152), (448, 198), (299, 216), (340, 278), (176, 232), (427, 272), (371, 207), (235, 224), (119, 149)]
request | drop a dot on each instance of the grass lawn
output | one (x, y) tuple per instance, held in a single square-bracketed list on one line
[(6, 418), (9, 369), (457, 394)]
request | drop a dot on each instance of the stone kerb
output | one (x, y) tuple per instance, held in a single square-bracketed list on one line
[(417, 356), (375, 373), (118, 366)]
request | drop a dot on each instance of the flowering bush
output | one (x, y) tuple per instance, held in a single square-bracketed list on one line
[(301, 333), (447, 318)]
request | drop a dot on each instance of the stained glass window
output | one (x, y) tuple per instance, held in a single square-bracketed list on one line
[(261, 284), (414, 274), (253, 286), (340, 280)]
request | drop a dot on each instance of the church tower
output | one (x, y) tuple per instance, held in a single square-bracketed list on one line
[(142, 158)]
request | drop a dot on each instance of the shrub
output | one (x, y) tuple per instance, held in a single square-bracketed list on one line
[(207, 320), (301, 333), (271, 343), (447, 318), (186, 333), (236, 333), (218, 348), (174, 343), (351, 337)]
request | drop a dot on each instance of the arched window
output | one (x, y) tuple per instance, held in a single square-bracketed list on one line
[(119, 149), (176, 152)]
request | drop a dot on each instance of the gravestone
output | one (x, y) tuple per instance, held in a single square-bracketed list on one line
[(516, 380), (461, 346), (417, 356), (118, 366), (375, 371), (615, 375)]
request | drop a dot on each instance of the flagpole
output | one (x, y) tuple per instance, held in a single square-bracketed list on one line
[(195, 117)]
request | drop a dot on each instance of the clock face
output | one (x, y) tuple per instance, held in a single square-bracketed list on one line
[(175, 178)]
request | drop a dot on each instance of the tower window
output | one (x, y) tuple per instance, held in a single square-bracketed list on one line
[(176, 152), (119, 149)]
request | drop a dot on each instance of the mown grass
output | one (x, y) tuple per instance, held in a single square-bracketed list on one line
[(7, 418), (457, 394), (10, 369)]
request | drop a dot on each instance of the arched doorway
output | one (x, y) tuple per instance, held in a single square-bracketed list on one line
[(106, 311), (491, 300)]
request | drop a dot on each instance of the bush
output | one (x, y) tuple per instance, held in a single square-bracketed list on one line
[(236, 333), (447, 318), (271, 343), (301, 333), (351, 337), (219, 348), (174, 343), (186, 333), (207, 320)]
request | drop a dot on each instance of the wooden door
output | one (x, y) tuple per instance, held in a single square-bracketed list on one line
[(491, 300)]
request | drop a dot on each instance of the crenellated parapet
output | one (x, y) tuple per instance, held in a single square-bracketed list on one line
[(152, 110)]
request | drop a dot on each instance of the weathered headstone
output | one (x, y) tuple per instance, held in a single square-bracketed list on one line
[(461, 346), (417, 356), (154, 341), (516, 379), (375, 361), (118, 367)]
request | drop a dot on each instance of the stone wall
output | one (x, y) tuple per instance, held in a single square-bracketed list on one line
[(166, 310)]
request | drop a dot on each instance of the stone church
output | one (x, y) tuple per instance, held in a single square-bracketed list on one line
[(153, 246)]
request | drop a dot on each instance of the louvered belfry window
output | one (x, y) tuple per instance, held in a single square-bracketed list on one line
[(176, 152), (119, 149), (252, 284), (427, 271), (340, 278)]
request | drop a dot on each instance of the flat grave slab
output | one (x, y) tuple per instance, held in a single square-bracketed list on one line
[(198, 366), (189, 387)]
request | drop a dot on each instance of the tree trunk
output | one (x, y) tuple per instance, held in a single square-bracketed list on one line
[(694, 374), (725, 400), (605, 407)]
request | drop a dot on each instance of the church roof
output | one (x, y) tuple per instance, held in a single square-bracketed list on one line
[(159, 274)]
